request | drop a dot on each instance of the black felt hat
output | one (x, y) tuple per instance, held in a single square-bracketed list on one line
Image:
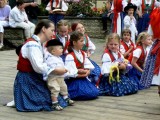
[(54, 42), (130, 5)]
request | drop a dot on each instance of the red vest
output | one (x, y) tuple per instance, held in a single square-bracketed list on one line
[(111, 55), (66, 44), (141, 59), (126, 47), (78, 63), (24, 64), (144, 6)]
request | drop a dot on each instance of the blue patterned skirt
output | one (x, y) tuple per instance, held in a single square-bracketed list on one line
[(95, 73), (31, 93), (81, 89), (124, 87), (135, 75)]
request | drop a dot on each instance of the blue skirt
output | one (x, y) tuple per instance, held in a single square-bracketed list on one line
[(95, 73), (124, 87), (81, 89), (143, 23), (31, 93), (135, 75)]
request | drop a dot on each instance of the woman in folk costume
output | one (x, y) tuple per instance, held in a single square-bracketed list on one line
[(138, 56), (57, 9), (89, 48), (78, 83), (30, 90), (145, 9), (151, 74), (114, 82), (117, 22)]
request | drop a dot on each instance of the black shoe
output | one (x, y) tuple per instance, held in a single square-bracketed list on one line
[(56, 106), (69, 101)]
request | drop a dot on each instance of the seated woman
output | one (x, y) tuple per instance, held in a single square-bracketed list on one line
[(4, 18)]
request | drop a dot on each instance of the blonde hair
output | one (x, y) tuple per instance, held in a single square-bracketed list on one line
[(3, 4), (112, 36), (141, 37), (62, 23)]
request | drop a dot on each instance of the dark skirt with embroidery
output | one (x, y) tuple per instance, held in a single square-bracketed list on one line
[(81, 89), (143, 23), (95, 73), (114, 88), (31, 93), (147, 75)]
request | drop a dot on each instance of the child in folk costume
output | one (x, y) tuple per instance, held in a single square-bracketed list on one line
[(151, 74), (55, 82), (63, 36), (145, 9), (137, 58), (79, 85), (130, 21), (89, 48), (114, 82), (127, 46), (57, 9)]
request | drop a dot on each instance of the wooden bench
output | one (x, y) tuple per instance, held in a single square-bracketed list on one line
[(14, 36)]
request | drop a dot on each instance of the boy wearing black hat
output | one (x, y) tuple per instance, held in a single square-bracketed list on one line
[(130, 21), (55, 82)]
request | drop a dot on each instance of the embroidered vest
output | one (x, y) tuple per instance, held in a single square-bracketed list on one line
[(24, 64), (79, 64), (141, 59), (57, 2), (85, 47), (67, 42), (111, 55), (147, 8), (126, 47)]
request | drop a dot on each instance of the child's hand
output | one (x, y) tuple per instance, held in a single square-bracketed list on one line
[(131, 17), (131, 47), (60, 71), (82, 71), (88, 53)]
